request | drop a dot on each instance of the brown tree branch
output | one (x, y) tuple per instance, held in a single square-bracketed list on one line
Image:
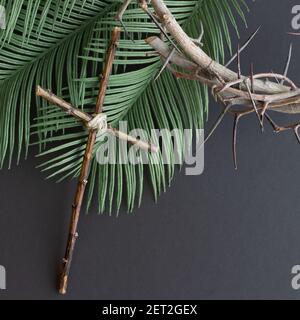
[(229, 87), (198, 56), (76, 207), (285, 101), (64, 105), (87, 118), (201, 67)]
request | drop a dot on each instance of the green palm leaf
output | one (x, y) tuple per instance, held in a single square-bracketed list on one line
[(133, 95), (40, 45)]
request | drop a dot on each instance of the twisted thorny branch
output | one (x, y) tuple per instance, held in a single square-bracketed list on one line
[(253, 94)]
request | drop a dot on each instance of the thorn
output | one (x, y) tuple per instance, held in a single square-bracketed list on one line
[(234, 139), (198, 41), (265, 107), (287, 65), (239, 62), (253, 103), (272, 123), (245, 45), (276, 78), (201, 32), (296, 131), (119, 17), (157, 23), (262, 129), (162, 37), (127, 33), (277, 129), (216, 125), (165, 63), (252, 76), (294, 33)]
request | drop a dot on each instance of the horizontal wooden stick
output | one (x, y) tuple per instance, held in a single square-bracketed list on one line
[(86, 118), (65, 106), (146, 146)]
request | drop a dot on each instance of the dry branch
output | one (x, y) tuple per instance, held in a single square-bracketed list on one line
[(279, 100), (255, 93), (198, 56), (76, 207), (87, 119)]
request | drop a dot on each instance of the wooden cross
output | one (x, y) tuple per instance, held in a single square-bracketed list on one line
[(94, 124)]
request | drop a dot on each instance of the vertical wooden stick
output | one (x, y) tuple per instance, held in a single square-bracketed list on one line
[(76, 207)]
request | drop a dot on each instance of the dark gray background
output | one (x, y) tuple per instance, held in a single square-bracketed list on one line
[(221, 235)]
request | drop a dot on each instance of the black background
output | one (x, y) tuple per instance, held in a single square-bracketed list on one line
[(221, 235)]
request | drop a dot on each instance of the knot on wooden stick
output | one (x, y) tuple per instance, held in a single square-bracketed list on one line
[(98, 123)]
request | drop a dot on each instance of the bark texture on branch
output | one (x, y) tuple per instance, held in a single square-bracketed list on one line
[(87, 118), (264, 94), (255, 93), (198, 56), (76, 207), (65, 106)]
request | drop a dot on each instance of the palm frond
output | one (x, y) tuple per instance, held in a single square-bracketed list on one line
[(40, 45), (133, 95)]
